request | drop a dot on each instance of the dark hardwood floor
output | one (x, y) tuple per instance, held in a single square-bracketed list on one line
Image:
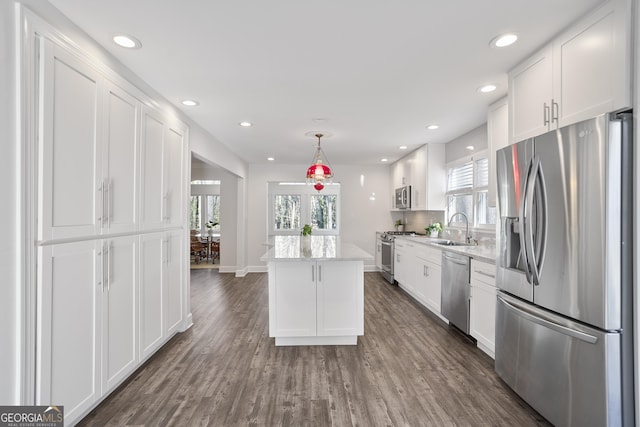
[(409, 369)]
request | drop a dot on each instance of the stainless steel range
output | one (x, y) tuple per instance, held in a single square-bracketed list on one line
[(387, 243)]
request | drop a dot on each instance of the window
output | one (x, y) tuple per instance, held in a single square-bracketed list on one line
[(205, 208), (291, 205), (467, 192)]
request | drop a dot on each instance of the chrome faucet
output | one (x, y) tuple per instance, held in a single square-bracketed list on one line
[(467, 235)]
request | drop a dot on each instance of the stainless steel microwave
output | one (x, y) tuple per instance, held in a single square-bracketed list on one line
[(403, 197)]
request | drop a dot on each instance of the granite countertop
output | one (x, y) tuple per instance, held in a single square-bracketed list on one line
[(479, 252), (321, 248)]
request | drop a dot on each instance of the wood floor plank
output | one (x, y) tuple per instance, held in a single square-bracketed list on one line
[(409, 369)]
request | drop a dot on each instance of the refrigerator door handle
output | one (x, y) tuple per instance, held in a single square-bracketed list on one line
[(523, 225), (550, 325), (539, 240)]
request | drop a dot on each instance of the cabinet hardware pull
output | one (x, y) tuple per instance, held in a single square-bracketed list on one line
[(484, 273), (313, 273), (554, 111), (545, 114), (319, 273)]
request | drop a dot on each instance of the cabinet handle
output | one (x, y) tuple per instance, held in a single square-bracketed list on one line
[(545, 114), (109, 199), (484, 274), (101, 190), (313, 273), (554, 111), (165, 201), (319, 273), (101, 282), (426, 271)]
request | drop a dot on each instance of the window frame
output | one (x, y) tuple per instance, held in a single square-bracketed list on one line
[(305, 191), (474, 191)]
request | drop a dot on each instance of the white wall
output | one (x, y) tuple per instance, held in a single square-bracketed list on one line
[(360, 216), (456, 148), (10, 243)]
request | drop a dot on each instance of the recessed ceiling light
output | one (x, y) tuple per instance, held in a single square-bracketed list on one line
[(126, 41), (384, 160), (271, 159), (487, 88), (403, 147), (504, 40), (190, 103), (245, 124), (433, 127), (470, 147)]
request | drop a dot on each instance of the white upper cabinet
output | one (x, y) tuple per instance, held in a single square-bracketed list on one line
[(497, 138), (69, 185), (120, 159), (584, 72), (162, 171), (422, 169)]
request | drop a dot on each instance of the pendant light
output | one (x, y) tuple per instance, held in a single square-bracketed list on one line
[(319, 173)]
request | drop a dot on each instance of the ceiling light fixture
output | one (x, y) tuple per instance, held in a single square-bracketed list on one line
[(126, 41), (470, 147), (271, 159), (433, 127), (504, 40), (384, 160), (487, 88), (245, 124), (403, 147), (318, 173), (190, 103)]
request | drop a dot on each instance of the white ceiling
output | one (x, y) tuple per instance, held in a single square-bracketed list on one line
[(378, 71)]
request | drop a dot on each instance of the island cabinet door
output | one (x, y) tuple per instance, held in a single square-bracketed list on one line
[(340, 293), (292, 299)]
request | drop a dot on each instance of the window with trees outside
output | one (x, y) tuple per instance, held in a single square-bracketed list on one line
[(292, 205), (467, 192)]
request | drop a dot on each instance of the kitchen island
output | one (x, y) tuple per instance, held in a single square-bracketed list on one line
[(316, 290)]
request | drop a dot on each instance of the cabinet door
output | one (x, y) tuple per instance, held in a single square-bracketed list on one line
[(400, 264), (152, 153), (120, 159), (152, 249), (497, 138), (173, 281), (419, 170), (530, 94), (119, 310), (591, 65), (68, 348), (433, 286), (340, 298), (69, 187), (173, 176), (483, 316), (378, 252), (292, 299)]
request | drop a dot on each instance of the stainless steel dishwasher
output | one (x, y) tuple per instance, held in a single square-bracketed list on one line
[(456, 289)]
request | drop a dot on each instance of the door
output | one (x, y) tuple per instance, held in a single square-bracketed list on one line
[(340, 298), (68, 329), (292, 299), (152, 249), (580, 274), (120, 310), (568, 372), (172, 278), (513, 168), (120, 159), (152, 176), (69, 187)]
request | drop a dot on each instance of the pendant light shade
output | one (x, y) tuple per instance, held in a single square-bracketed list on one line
[(319, 173)]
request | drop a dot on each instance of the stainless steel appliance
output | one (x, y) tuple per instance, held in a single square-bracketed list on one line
[(564, 339), (387, 242), (456, 289), (403, 197)]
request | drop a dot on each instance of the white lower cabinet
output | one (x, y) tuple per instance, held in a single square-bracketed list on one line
[(68, 329), (86, 333), (315, 299), (483, 306)]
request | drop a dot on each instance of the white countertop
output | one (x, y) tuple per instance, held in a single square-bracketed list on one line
[(481, 253), (289, 248)]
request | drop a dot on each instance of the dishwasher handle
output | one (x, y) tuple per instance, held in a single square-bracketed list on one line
[(455, 260)]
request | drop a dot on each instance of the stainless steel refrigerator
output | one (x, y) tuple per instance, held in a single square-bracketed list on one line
[(564, 338)]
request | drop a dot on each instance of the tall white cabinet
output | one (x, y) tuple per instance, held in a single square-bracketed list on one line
[(111, 233)]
